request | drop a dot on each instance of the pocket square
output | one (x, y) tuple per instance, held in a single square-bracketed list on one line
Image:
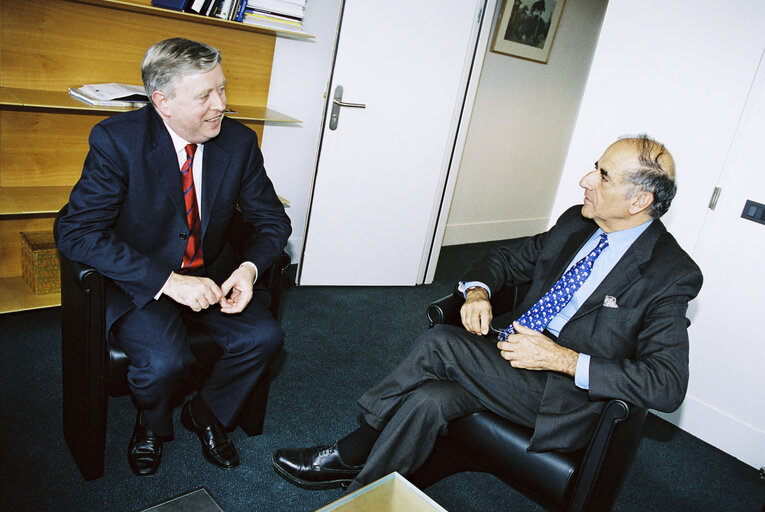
[(610, 302)]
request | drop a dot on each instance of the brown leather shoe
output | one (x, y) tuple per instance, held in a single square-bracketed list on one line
[(145, 449)]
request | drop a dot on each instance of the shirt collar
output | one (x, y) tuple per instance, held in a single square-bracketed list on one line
[(625, 237), (179, 144)]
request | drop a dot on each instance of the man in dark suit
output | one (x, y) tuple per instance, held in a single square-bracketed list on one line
[(165, 245), (609, 290)]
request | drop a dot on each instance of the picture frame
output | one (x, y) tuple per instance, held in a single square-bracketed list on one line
[(526, 28)]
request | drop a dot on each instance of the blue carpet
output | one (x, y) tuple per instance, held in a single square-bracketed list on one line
[(338, 344)]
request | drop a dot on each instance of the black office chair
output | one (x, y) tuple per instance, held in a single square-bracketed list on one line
[(587, 480), (94, 368)]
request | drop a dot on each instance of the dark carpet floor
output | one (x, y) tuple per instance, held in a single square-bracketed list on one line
[(338, 344)]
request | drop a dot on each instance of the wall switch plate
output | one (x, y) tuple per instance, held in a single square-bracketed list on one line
[(754, 212)]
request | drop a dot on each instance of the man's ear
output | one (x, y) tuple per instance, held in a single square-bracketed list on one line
[(160, 102), (641, 202)]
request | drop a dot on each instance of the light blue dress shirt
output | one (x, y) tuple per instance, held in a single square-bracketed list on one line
[(618, 243)]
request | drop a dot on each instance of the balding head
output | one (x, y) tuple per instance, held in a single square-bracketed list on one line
[(653, 172)]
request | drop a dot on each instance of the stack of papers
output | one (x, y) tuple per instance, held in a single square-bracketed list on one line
[(279, 14), (111, 95)]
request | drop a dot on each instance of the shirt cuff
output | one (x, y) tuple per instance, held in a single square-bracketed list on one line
[(582, 375), (251, 264), (162, 290), (464, 286)]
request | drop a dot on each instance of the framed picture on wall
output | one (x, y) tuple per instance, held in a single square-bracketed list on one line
[(526, 28)]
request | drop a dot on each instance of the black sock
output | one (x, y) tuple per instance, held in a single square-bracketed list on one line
[(355, 447)]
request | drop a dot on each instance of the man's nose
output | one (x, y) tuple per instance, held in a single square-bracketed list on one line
[(586, 181), (219, 101)]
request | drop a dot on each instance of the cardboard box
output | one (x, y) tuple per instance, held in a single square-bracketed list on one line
[(392, 493), (39, 262)]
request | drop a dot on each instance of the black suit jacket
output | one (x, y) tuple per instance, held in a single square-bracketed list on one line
[(639, 350), (126, 214)]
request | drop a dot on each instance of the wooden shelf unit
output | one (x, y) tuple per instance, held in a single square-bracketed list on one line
[(48, 46)]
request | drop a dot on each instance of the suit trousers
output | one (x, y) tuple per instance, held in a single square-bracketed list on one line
[(154, 338), (449, 373)]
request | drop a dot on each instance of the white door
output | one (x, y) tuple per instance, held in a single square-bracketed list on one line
[(726, 334), (382, 168)]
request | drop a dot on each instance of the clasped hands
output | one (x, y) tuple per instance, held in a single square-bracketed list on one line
[(199, 293), (528, 349)]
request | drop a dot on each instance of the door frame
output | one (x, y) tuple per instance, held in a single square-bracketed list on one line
[(438, 222), (430, 258)]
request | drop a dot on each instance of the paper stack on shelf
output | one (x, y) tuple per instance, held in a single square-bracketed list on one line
[(111, 95), (279, 14)]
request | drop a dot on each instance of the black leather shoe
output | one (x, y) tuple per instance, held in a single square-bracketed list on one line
[(145, 449), (319, 467), (215, 444)]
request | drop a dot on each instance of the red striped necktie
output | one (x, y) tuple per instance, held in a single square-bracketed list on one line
[(192, 257)]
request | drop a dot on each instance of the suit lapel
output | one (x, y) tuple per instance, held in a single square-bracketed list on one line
[(162, 161), (568, 250), (214, 165), (626, 271)]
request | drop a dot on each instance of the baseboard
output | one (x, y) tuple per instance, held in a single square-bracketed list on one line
[(718, 428), (474, 232)]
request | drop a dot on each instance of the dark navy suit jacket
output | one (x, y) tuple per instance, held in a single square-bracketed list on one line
[(638, 349), (126, 214)]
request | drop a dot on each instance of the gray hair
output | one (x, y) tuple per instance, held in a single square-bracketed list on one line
[(655, 173), (166, 62)]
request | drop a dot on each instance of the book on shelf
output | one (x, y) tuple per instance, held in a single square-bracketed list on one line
[(176, 5), (195, 6), (111, 95)]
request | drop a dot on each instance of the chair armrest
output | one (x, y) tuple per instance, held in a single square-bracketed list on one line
[(446, 310), (85, 275), (273, 280), (609, 453)]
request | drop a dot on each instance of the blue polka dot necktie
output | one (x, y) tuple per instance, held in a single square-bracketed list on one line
[(559, 295)]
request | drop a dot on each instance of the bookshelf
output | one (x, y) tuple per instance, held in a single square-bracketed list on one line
[(49, 45)]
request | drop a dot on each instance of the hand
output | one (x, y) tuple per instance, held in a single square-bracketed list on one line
[(239, 284), (476, 311), (532, 350), (198, 293)]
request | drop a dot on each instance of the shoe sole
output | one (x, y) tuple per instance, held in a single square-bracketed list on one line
[(313, 486)]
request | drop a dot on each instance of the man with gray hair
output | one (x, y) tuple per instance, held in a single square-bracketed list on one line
[(153, 212), (604, 317)]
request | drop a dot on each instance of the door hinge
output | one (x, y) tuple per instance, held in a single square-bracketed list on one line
[(714, 198)]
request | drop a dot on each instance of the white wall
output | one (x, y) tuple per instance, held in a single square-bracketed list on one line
[(519, 132), (681, 71), (299, 80)]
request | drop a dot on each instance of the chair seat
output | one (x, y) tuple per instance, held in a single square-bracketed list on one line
[(496, 443)]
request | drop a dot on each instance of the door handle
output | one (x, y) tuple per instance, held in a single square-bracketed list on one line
[(337, 103), (344, 104)]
